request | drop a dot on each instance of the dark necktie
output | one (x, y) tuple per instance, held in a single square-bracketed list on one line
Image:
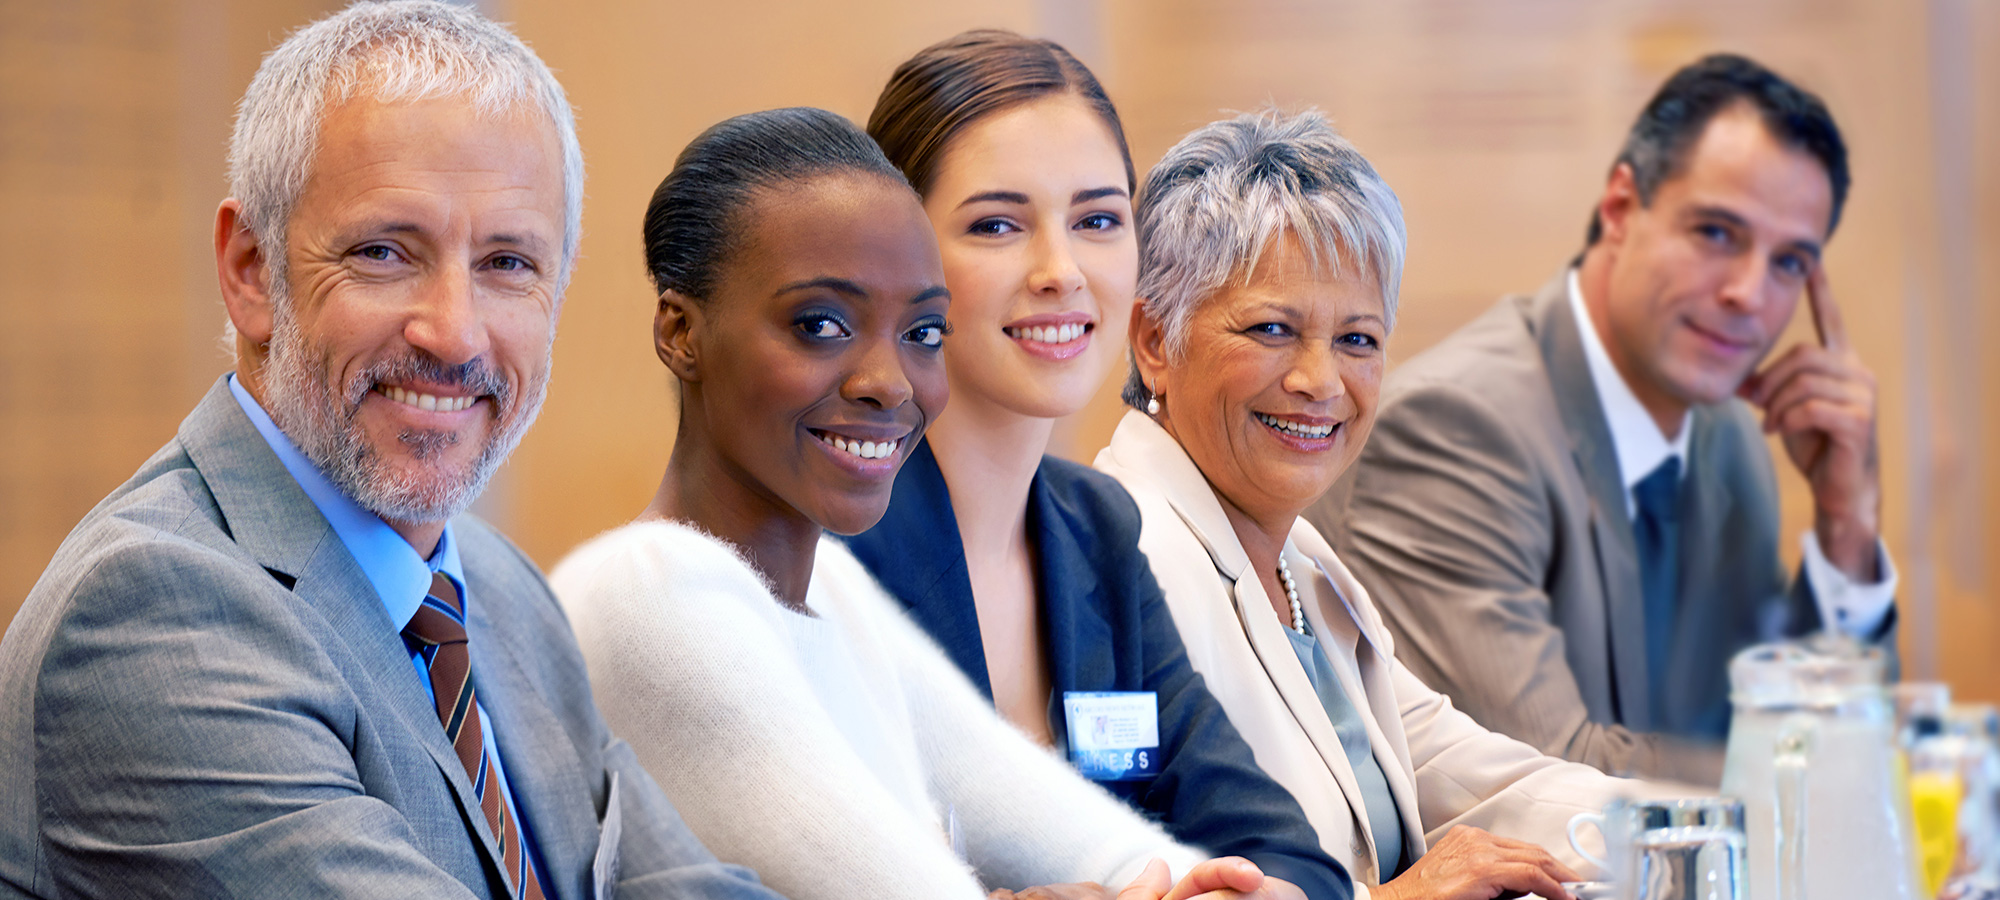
[(1656, 532), (438, 632)]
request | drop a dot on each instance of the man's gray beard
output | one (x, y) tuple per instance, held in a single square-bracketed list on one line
[(323, 426)]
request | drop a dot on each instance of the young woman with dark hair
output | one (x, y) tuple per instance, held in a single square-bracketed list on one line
[(801, 724), (1026, 568)]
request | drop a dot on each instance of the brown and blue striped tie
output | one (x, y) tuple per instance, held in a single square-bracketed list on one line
[(438, 632)]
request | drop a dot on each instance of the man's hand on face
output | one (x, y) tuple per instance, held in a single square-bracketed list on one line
[(1821, 401)]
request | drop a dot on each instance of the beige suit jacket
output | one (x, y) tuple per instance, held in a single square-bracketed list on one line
[(1489, 514), (1443, 769)]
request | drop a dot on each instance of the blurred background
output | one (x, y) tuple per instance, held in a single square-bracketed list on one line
[(1495, 120)]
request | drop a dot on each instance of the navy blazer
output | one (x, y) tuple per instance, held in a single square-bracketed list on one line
[(1108, 629)]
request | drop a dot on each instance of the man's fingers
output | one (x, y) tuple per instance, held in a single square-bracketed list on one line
[(1797, 358), (1854, 380), (1757, 388), (1815, 414), (1811, 386), (1153, 882), (1825, 313)]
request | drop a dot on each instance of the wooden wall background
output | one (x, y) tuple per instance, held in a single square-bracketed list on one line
[(1493, 119)]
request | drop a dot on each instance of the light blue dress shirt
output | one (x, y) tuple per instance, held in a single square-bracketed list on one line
[(1384, 819), (401, 578)]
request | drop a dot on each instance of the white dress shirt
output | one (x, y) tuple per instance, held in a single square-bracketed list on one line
[(1854, 608)]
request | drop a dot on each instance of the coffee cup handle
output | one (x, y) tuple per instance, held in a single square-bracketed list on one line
[(1590, 818)]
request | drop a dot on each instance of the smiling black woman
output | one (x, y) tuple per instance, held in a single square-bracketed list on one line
[(802, 724)]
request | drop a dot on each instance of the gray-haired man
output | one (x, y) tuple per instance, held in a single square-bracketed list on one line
[(277, 662)]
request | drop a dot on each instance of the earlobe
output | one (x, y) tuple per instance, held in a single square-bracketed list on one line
[(675, 326), (1148, 348), (242, 274)]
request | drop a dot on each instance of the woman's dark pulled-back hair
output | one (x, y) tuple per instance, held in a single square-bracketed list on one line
[(695, 219), (938, 93), (1658, 145)]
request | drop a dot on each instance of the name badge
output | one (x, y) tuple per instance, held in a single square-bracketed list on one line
[(1113, 735)]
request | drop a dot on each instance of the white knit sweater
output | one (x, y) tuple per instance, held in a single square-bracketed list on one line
[(693, 664)]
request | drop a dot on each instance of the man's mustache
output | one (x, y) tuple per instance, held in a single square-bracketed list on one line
[(475, 376)]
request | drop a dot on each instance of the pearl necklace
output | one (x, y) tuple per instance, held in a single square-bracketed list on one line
[(1292, 594)]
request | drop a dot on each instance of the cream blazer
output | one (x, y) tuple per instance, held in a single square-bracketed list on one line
[(1443, 769)]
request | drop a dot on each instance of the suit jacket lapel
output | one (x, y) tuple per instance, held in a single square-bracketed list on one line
[(1074, 626), (1143, 448), (1274, 650), (544, 769), (1349, 616), (267, 513), (1597, 459), (273, 520)]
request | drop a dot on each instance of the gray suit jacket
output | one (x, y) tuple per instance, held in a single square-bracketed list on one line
[(203, 697), (1488, 516)]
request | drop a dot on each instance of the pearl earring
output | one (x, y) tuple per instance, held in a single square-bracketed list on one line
[(1153, 405)]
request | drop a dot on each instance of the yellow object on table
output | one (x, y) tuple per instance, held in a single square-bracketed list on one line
[(1934, 799)]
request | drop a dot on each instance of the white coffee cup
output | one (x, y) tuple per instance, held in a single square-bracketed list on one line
[(1615, 825)]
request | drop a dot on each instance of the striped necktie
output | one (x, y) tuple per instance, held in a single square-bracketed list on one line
[(438, 632)]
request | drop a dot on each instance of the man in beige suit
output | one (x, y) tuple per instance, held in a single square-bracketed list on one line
[(1567, 512)]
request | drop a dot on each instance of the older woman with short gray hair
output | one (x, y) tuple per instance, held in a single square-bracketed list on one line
[(1271, 254)]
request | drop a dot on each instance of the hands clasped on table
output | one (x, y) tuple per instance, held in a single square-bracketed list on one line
[(1226, 878)]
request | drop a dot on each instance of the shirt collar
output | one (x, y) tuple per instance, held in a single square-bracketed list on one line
[(1635, 436), (400, 577)]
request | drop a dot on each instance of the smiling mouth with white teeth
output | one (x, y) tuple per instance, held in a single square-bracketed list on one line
[(862, 449), (1049, 334), (425, 402), (1309, 432)]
